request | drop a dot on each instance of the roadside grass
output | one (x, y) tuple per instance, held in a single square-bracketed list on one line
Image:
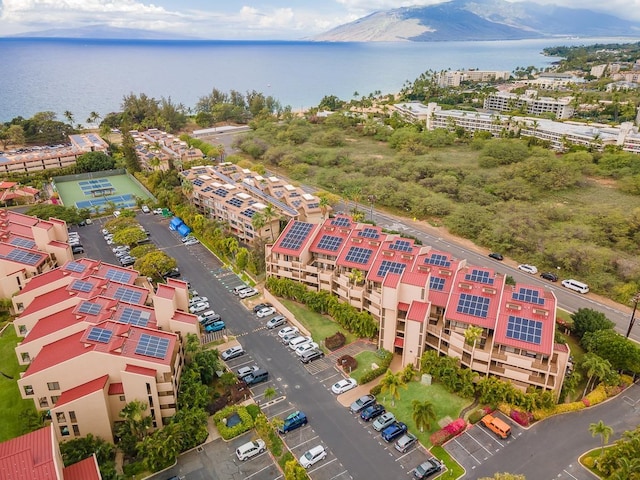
[(320, 326), (454, 470), (445, 405), (365, 359), (11, 403), (594, 455)]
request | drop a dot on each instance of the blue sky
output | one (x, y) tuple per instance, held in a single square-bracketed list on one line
[(224, 19)]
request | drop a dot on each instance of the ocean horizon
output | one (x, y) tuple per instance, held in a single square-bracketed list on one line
[(83, 75)]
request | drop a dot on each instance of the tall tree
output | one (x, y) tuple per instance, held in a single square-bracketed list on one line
[(603, 430), (391, 384), (423, 414)]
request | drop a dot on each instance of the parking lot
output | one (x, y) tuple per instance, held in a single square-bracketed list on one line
[(478, 444)]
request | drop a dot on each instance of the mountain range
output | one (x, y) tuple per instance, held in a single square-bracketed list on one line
[(475, 20)]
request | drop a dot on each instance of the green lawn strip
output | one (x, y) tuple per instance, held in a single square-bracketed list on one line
[(445, 404), (320, 326), (454, 470), (594, 455), (11, 403), (365, 359)]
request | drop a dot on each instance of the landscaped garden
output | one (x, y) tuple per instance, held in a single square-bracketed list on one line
[(366, 362)]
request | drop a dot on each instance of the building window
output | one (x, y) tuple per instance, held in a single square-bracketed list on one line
[(53, 386), (28, 390), (72, 417), (60, 417), (64, 431), (54, 399), (20, 306), (148, 389), (22, 329), (76, 430), (43, 402), (26, 357), (122, 398)]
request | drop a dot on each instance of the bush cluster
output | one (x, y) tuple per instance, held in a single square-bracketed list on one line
[(376, 390), (448, 432), (347, 362), (335, 341), (244, 426), (477, 414), (385, 362), (521, 418)]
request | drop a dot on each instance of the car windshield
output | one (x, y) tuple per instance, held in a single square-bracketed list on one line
[(308, 455)]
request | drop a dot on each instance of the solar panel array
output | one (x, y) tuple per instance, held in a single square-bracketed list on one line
[(369, 233), (82, 286), (401, 246), (524, 329), (22, 242), (198, 182), (528, 295), (358, 255), (330, 242), (152, 346), (236, 202), (296, 235), (221, 192), (101, 335), (481, 276), (22, 256), (341, 222), (473, 305), (314, 205), (207, 189), (388, 266), (139, 318), (436, 283), (437, 260), (89, 308), (249, 212), (118, 275), (127, 295), (75, 267)]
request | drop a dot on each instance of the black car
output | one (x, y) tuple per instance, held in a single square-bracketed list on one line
[(371, 412), (426, 469), (174, 273), (496, 256), (549, 276), (260, 306)]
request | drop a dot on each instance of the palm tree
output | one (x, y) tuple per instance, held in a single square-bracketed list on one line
[(423, 414), (258, 223), (69, 116), (356, 276), (391, 383), (323, 203), (93, 118), (269, 393), (269, 214), (602, 429), (471, 336), (596, 368)]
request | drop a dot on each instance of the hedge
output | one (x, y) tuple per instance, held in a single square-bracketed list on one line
[(385, 362), (448, 432), (245, 425)]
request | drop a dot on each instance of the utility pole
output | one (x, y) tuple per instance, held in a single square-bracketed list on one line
[(635, 300)]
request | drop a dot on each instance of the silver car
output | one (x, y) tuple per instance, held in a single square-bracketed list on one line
[(383, 421)]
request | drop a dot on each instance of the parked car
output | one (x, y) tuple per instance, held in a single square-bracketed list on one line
[(393, 431), (344, 385), (383, 421), (313, 456), (260, 375), (75, 249), (371, 412), (260, 306), (145, 209), (362, 403), (496, 256), (298, 341), (250, 292), (287, 330), (128, 260), (238, 289), (305, 347), (193, 241), (528, 268), (173, 273), (406, 442), (265, 312), (250, 449), (289, 336), (215, 326), (276, 321), (208, 315), (197, 299), (187, 238), (295, 420), (199, 307), (244, 371), (232, 352), (427, 469), (211, 319), (549, 276), (157, 211), (311, 355)]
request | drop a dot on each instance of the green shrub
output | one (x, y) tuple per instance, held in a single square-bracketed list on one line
[(376, 390), (253, 410), (287, 457), (245, 425), (385, 362), (476, 416)]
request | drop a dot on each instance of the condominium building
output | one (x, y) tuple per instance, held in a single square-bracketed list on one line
[(412, 111), (530, 102), (96, 336), (35, 159), (425, 299), (28, 247), (455, 78), (553, 81), (233, 195), (157, 150)]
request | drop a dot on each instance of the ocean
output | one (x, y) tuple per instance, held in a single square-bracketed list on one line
[(81, 76)]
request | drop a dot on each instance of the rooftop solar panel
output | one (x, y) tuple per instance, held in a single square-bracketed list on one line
[(401, 246), (330, 242), (118, 275), (249, 212), (221, 192), (437, 260), (101, 335), (481, 276), (236, 202), (22, 242), (436, 283), (198, 182), (23, 256), (473, 305), (135, 317), (358, 255), (128, 295), (528, 295), (393, 267), (81, 286), (75, 267), (524, 329), (313, 205), (296, 235), (152, 346), (369, 233), (341, 222), (89, 308)]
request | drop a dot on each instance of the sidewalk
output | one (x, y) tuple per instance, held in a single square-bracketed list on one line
[(349, 397)]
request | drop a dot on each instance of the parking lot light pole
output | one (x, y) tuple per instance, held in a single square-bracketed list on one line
[(635, 300), (372, 199)]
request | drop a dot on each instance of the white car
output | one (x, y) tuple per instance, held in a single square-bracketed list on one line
[(265, 312), (248, 293), (199, 307), (195, 300), (193, 241), (344, 385), (145, 209), (313, 456), (117, 213), (283, 332), (250, 449), (528, 269), (298, 341), (104, 231), (157, 211), (305, 347)]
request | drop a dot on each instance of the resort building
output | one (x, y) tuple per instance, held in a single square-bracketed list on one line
[(530, 103), (28, 247), (36, 456), (157, 150), (553, 81), (233, 195), (412, 111), (425, 299), (12, 193), (35, 159), (96, 336), (457, 77)]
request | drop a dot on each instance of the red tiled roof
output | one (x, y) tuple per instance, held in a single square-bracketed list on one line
[(82, 390), (277, 248), (391, 280), (418, 311), (354, 241), (140, 370), (116, 389), (43, 279), (418, 279), (184, 317), (50, 298), (385, 253), (29, 457), (403, 307), (561, 347), (86, 469), (327, 228), (174, 282), (57, 352), (53, 323), (463, 286)]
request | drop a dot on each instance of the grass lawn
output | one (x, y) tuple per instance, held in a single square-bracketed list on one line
[(11, 403), (365, 359), (454, 470), (446, 405), (594, 455), (320, 326)]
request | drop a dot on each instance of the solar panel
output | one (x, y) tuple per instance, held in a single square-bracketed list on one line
[(127, 295), (401, 246), (329, 242), (528, 295), (481, 276), (437, 260), (135, 317), (82, 286), (75, 267), (152, 346), (118, 275), (358, 255), (198, 183), (313, 205), (101, 335), (341, 222), (296, 235), (221, 192), (369, 233), (236, 202), (22, 242), (524, 329), (90, 308), (436, 283), (473, 305), (23, 256), (249, 212), (207, 189), (393, 267)]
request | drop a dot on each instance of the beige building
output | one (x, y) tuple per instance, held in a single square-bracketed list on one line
[(233, 195), (455, 78), (96, 336), (426, 299), (156, 149), (530, 102)]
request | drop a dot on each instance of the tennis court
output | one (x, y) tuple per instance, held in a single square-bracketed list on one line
[(96, 192)]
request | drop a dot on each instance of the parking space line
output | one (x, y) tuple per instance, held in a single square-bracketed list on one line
[(290, 409), (339, 475), (306, 441), (570, 474), (475, 440), (331, 376), (492, 437), (405, 454), (323, 465), (261, 470), (468, 452)]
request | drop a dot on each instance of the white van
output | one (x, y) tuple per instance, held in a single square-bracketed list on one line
[(576, 285), (250, 449), (297, 341)]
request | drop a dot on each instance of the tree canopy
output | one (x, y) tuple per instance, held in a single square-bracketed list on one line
[(94, 162)]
